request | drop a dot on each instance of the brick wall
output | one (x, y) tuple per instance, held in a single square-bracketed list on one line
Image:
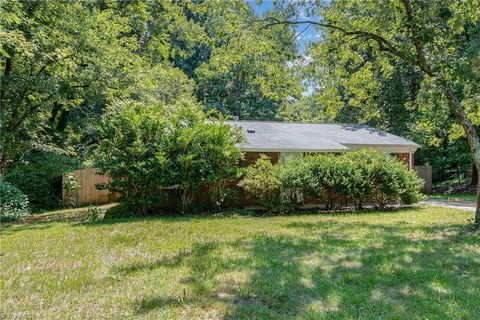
[(405, 158), (243, 199), (251, 157)]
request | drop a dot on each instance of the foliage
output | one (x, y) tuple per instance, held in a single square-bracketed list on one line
[(247, 77), (221, 196), (64, 64), (364, 42), (38, 175), (362, 176), (325, 178), (277, 187), (203, 151), (132, 155), (262, 182), (147, 149), (13, 202), (293, 176), (357, 183), (95, 213), (55, 58), (70, 187)]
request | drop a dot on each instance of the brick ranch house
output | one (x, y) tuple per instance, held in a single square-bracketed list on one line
[(280, 141)]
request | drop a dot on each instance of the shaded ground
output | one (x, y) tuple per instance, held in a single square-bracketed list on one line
[(415, 263)]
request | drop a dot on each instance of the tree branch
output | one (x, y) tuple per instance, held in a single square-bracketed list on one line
[(421, 62), (383, 44)]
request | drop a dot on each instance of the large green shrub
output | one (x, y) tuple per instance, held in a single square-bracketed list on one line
[(146, 149), (279, 188), (262, 182), (202, 153), (391, 180), (131, 152), (325, 178), (410, 185), (357, 184), (38, 175), (362, 176), (293, 177), (13, 203)]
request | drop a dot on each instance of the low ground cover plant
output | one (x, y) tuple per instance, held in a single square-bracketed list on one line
[(362, 176), (239, 266), (13, 202)]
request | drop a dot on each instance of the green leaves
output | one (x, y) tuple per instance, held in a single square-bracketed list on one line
[(146, 149), (361, 176)]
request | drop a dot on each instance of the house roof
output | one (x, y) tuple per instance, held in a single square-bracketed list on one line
[(316, 137)]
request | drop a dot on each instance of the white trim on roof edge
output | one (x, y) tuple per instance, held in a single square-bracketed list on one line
[(387, 148)]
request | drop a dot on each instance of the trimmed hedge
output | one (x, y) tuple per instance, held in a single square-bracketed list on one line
[(362, 176)]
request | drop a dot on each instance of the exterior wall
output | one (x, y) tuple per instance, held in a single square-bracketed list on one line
[(405, 158), (251, 157)]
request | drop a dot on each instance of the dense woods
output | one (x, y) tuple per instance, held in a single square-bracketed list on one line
[(407, 67)]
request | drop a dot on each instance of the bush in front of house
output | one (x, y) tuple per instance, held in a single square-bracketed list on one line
[(261, 181), (203, 153), (293, 176), (389, 179), (325, 178), (362, 176), (13, 203), (279, 188), (148, 149), (131, 153)]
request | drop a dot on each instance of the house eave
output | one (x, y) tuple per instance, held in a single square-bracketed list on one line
[(399, 148)]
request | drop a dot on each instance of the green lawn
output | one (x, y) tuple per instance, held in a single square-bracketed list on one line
[(419, 263), (454, 197)]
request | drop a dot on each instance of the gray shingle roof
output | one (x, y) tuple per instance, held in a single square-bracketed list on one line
[(314, 137)]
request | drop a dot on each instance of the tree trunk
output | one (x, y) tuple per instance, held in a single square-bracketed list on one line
[(477, 211), (474, 181), (472, 137)]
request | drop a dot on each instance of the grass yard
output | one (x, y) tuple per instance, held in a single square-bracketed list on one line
[(454, 197), (421, 263)]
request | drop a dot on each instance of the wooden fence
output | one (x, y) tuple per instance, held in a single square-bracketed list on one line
[(88, 193), (425, 173)]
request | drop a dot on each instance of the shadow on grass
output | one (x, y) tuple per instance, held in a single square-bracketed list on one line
[(178, 217), (8, 229), (330, 270)]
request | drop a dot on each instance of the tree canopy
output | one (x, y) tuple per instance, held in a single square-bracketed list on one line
[(63, 63), (365, 44)]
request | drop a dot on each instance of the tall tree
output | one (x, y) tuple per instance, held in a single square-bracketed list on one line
[(61, 63), (439, 38)]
